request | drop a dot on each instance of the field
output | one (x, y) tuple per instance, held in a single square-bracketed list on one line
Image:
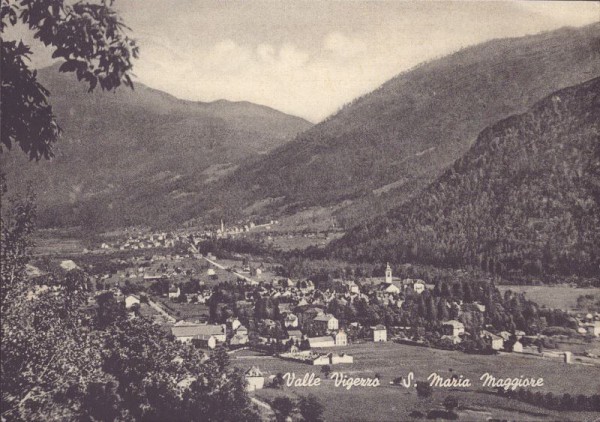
[(561, 297), (389, 403), (184, 310), (57, 246), (299, 241)]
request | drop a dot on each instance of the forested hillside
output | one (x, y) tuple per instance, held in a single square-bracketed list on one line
[(384, 147), (524, 200), (133, 157)]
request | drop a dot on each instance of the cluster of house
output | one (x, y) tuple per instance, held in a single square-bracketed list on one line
[(307, 303), (210, 335), (236, 229), (141, 239), (148, 269), (207, 335), (589, 324), (301, 309), (144, 241)]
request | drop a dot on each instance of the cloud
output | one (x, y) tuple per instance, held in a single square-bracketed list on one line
[(343, 46), (312, 74), (284, 76)]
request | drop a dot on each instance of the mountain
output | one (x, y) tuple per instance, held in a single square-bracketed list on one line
[(384, 147), (523, 201), (131, 157)]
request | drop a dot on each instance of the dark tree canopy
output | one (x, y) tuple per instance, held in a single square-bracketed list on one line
[(91, 39)]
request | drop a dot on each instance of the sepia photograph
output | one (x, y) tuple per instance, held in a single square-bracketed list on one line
[(299, 211)]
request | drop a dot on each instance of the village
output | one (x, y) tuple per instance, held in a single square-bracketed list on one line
[(243, 305), (222, 289), (384, 324)]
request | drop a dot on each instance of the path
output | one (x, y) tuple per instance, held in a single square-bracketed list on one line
[(161, 311)]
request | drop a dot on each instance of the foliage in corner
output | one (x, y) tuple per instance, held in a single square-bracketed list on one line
[(91, 39)]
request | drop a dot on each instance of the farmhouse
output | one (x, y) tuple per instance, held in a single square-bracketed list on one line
[(418, 286), (335, 358), (453, 328), (379, 333), (341, 338), (255, 380), (206, 340), (186, 332), (325, 341), (517, 347), (291, 320), (295, 334), (332, 359), (233, 323), (174, 292), (389, 288), (238, 339), (592, 328), (326, 322), (352, 287), (131, 300), (497, 342)]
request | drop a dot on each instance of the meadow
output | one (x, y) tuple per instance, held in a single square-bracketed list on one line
[(560, 297), (389, 403)]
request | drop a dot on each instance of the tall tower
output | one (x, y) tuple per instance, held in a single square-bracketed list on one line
[(388, 274), (222, 227)]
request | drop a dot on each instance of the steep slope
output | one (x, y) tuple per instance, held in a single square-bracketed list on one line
[(131, 157), (382, 148), (524, 200)]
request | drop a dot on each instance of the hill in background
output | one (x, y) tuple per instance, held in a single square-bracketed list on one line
[(132, 157), (381, 149), (524, 200)]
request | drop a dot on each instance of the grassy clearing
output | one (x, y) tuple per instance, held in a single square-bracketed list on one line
[(561, 297), (388, 403)]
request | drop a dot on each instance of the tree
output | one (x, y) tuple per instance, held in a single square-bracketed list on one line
[(326, 370), (424, 390), (283, 407), (90, 38), (109, 310), (311, 408), (50, 354), (278, 380), (450, 403)]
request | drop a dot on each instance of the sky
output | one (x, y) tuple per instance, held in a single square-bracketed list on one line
[(309, 58)]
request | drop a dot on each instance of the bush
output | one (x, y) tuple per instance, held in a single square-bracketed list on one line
[(311, 408), (450, 403), (424, 390)]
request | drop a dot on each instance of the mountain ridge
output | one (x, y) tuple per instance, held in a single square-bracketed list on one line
[(523, 201), (415, 125), (114, 142)]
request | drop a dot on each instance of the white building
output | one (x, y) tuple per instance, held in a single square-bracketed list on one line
[(379, 333), (453, 328), (324, 341), (131, 300), (255, 380), (186, 332), (327, 322), (341, 338)]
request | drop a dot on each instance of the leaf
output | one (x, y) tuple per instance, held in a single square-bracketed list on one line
[(69, 66)]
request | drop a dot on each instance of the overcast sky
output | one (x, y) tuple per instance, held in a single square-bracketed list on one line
[(309, 58)]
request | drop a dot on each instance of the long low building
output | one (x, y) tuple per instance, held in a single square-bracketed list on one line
[(186, 332)]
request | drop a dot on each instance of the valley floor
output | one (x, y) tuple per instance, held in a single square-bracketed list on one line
[(393, 403)]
